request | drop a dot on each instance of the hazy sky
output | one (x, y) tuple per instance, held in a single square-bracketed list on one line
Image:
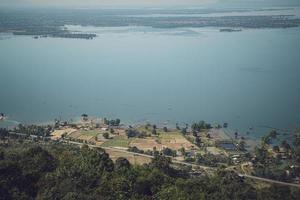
[(90, 3)]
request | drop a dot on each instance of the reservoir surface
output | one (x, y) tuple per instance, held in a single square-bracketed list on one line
[(247, 79)]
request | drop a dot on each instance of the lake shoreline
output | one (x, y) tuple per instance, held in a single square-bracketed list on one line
[(225, 134)]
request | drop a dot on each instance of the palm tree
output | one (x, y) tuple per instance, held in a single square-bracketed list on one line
[(84, 117)]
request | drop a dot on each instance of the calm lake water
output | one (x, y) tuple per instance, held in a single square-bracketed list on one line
[(248, 79)]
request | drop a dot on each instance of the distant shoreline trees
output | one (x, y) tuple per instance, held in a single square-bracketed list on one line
[(112, 122)]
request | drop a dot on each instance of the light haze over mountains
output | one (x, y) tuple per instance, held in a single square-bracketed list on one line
[(133, 3)]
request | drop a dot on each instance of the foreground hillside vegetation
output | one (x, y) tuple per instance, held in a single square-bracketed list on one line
[(56, 171)]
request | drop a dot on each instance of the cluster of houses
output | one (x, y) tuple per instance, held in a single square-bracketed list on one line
[(86, 123)]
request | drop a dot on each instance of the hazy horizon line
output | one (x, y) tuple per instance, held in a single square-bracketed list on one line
[(147, 7)]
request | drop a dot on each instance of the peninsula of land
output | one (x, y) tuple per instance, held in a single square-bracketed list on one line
[(50, 23)]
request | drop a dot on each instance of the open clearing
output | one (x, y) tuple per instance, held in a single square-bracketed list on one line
[(118, 141), (218, 135), (214, 150), (175, 140), (93, 133), (58, 133), (74, 135), (146, 144), (84, 135), (133, 159)]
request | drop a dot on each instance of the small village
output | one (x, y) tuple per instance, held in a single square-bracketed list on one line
[(199, 150), (201, 147), (199, 143)]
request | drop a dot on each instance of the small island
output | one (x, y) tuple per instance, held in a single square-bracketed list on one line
[(230, 30)]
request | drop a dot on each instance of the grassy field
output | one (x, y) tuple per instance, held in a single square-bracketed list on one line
[(170, 135), (118, 141), (145, 144), (133, 159), (214, 150), (174, 140), (84, 135), (90, 132), (58, 133)]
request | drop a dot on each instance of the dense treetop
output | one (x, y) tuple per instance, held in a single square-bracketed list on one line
[(55, 171)]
